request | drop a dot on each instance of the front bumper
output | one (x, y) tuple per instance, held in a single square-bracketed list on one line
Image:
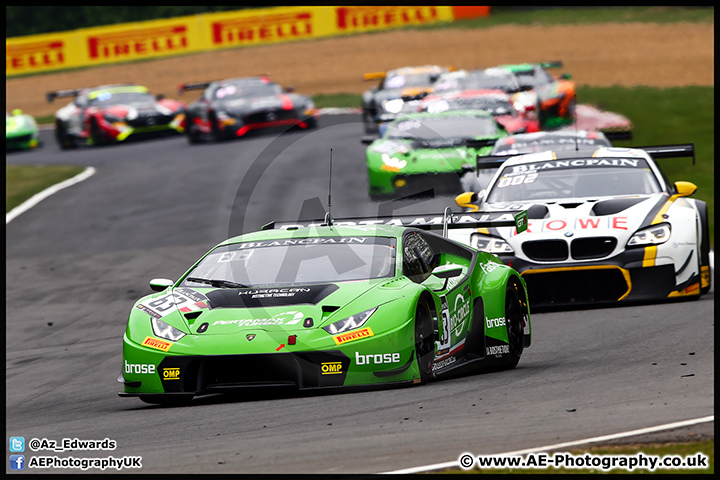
[(149, 371), (389, 183), (623, 278), (21, 142)]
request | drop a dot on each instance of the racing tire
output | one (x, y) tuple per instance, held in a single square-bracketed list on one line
[(216, 132), (424, 340), (311, 123), (191, 131), (515, 321), (98, 138), (167, 400), (705, 248), (370, 126), (64, 140)]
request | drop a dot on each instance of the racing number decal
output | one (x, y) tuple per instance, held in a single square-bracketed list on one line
[(187, 301), (157, 304), (453, 324), (445, 329), (517, 180)]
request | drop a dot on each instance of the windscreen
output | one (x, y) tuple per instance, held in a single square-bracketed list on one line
[(412, 80), (493, 104), (533, 77), (442, 128), (576, 178), (243, 90), (108, 97), (298, 261)]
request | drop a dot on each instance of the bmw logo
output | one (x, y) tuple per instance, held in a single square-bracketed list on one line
[(568, 234)]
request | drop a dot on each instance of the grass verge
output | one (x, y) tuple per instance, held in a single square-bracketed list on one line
[(23, 181), (582, 15)]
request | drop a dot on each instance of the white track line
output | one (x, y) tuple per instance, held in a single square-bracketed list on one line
[(605, 438), (38, 197)]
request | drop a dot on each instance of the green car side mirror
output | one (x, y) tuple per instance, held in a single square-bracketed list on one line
[(160, 284)]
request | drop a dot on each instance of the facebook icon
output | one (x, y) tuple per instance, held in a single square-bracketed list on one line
[(17, 462)]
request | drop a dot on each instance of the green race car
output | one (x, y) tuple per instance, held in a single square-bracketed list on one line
[(357, 303), (423, 151), (21, 131)]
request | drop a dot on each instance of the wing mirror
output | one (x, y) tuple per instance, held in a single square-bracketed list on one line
[(685, 189), (446, 272), (466, 200), (160, 284), (367, 139)]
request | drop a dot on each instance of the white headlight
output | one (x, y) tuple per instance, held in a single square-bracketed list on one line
[(652, 235), (393, 106), (489, 244), (163, 330), (350, 323)]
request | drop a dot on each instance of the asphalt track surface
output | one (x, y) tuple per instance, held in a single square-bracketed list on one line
[(78, 260)]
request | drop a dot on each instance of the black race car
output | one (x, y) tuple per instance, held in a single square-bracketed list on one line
[(399, 92), (231, 108)]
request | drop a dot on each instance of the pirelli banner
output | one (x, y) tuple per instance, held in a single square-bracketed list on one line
[(181, 35)]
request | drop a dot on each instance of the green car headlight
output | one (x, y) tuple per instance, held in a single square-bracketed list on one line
[(163, 330), (350, 323), (652, 235), (490, 244)]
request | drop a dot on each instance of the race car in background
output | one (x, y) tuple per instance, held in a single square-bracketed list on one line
[(556, 140), (553, 97), (399, 92), (113, 114), (327, 306), (496, 102), (481, 79), (424, 151), (604, 226), (231, 108), (21, 131)]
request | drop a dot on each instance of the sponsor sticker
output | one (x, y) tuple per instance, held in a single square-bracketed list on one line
[(142, 368), (157, 344), (330, 368), (377, 358), (354, 335), (495, 322), (443, 363), (497, 350), (172, 373)]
